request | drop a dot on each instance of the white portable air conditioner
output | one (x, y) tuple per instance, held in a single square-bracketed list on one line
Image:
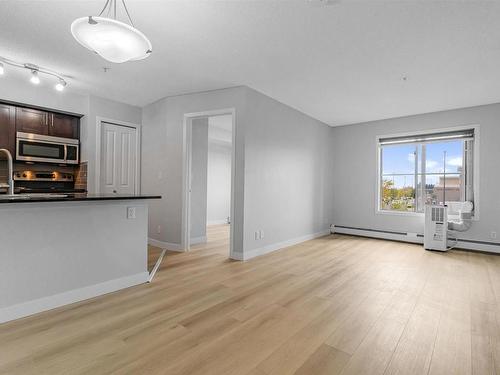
[(436, 227)]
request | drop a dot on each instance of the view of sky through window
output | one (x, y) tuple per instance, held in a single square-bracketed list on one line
[(398, 161)]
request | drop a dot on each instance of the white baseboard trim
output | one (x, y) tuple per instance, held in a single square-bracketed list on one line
[(236, 256), (165, 245), (76, 295), (419, 239), (246, 255), (197, 240), (217, 222)]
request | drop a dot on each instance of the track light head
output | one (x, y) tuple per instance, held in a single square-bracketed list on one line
[(34, 77), (61, 85)]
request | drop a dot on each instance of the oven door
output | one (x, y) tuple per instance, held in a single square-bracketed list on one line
[(41, 151)]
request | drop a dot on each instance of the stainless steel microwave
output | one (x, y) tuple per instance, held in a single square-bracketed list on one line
[(46, 149)]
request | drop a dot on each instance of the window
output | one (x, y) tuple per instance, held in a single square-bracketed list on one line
[(427, 168)]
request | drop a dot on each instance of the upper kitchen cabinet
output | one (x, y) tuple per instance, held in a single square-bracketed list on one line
[(32, 121), (46, 123), (8, 128), (63, 125)]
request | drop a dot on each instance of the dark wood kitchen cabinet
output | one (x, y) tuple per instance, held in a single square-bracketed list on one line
[(32, 121), (8, 128), (46, 123), (63, 125)]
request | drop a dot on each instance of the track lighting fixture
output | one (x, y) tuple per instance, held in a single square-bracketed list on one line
[(35, 72)]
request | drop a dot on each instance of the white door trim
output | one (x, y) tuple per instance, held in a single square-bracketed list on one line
[(186, 170), (137, 127)]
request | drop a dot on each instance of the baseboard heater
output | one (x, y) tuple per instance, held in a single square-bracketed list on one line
[(412, 237)]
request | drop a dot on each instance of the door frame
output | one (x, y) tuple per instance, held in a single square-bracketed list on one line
[(97, 167), (187, 134)]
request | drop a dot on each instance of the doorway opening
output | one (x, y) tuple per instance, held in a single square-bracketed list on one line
[(209, 176)]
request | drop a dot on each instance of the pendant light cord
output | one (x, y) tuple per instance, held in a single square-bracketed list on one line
[(111, 4), (128, 14), (103, 9)]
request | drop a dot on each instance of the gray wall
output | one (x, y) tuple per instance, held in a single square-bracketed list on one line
[(283, 178), (162, 135), (287, 173), (199, 167), (104, 247), (354, 165)]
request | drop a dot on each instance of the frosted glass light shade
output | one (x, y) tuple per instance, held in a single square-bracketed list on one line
[(113, 40)]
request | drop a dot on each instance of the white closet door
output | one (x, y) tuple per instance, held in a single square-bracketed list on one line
[(118, 159)]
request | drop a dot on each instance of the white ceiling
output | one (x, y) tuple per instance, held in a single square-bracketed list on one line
[(341, 63)]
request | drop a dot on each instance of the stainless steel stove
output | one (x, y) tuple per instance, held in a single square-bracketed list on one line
[(45, 182)]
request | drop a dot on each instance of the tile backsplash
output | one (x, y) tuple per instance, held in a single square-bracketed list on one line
[(3, 170), (81, 176)]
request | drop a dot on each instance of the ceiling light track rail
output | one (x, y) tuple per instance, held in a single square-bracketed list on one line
[(35, 71)]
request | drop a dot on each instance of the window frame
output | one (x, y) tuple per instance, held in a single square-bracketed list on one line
[(475, 167)]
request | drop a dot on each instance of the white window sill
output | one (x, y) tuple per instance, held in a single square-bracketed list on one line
[(399, 213), (417, 214)]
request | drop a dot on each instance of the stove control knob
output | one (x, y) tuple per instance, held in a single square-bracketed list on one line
[(24, 175)]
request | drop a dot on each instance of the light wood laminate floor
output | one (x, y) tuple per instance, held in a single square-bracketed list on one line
[(334, 305)]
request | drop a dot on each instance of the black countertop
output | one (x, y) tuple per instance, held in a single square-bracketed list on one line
[(79, 197)]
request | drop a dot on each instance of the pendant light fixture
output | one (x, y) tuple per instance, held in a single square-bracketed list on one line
[(111, 39)]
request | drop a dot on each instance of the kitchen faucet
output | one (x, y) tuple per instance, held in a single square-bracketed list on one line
[(11, 171)]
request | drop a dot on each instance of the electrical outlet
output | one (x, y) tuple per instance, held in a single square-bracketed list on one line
[(130, 212), (261, 234), (493, 235), (158, 229)]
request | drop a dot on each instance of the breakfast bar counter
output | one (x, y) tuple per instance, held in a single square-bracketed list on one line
[(70, 197), (60, 249)]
